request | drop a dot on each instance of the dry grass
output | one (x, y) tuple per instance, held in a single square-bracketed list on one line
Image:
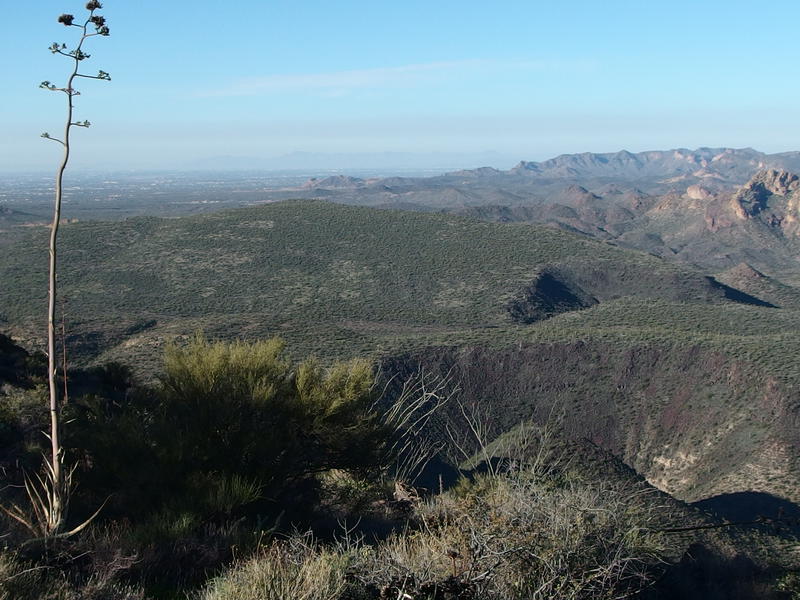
[(295, 569), (515, 536), (24, 581), (507, 536)]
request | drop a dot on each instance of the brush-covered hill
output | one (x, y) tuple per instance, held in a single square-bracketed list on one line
[(690, 381), (363, 276)]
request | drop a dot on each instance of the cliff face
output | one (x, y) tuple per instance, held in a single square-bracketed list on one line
[(770, 196), (695, 423)]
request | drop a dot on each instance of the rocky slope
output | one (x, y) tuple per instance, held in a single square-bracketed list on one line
[(755, 223), (695, 423)]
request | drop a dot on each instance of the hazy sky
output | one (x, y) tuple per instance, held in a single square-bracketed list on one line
[(528, 79)]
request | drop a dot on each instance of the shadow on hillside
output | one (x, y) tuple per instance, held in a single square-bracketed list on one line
[(705, 575), (738, 295), (548, 295), (751, 506)]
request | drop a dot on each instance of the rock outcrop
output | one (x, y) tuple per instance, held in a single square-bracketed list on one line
[(697, 192), (753, 197)]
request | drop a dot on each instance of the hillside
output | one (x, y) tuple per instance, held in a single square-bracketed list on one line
[(10, 217), (686, 379), (644, 367), (362, 275)]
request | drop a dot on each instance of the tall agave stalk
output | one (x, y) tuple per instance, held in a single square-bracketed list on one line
[(49, 495)]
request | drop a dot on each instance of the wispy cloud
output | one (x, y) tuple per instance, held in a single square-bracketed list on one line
[(340, 83)]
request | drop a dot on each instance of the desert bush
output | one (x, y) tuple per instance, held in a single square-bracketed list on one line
[(516, 535), (789, 584), (344, 493), (510, 535), (17, 580), (22, 418), (242, 412), (235, 428)]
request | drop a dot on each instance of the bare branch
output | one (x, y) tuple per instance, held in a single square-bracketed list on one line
[(46, 85), (412, 415), (100, 75), (47, 136)]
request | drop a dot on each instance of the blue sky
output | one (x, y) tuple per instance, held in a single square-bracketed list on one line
[(528, 80)]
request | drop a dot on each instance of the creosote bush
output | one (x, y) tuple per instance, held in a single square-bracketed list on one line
[(235, 428)]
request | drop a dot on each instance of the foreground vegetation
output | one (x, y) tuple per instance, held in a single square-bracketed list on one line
[(516, 534), (240, 474), (230, 433)]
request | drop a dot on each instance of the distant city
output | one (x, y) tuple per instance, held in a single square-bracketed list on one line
[(118, 195)]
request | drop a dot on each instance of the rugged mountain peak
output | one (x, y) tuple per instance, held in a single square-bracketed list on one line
[(752, 197), (479, 172), (693, 157), (774, 181), (578, 193), (525, 166)]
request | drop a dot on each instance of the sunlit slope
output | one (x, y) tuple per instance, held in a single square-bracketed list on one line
[(289, 266), (690, 382)]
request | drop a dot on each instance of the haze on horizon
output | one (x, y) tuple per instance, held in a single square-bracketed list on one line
[(449, 81)]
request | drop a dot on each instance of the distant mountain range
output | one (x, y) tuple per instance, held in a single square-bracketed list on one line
[(712, 207), (657, 170), (726, 165)]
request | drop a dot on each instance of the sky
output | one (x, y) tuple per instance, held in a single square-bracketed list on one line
[(196, 83)]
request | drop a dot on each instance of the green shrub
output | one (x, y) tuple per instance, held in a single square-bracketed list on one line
[(233, 427), (242, 409)]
